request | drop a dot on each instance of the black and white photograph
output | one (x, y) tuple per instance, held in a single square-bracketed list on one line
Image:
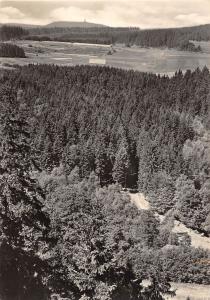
[(105, 150)]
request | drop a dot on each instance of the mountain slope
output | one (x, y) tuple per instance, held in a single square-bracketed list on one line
[(59, 24)]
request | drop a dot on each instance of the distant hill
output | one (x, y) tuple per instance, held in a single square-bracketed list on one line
[(64, 24), (59, 24)]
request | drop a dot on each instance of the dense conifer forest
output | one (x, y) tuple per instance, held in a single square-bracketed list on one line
[(137, 129), (12, 32), (71, 138), (10, 50), (171, 38)]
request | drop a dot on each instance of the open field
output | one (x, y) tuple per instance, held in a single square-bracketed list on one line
[(159, 61), (184, 290), (204, 45)]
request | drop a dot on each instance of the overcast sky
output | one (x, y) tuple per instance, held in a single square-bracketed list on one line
[(141, 13)]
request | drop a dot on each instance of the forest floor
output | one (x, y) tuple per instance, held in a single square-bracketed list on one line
[(153, 60)]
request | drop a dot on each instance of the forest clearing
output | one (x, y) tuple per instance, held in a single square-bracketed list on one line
[(160, 61)]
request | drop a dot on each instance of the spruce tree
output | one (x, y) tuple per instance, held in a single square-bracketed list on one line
[(121, 165), (23, 224), (103, 167)]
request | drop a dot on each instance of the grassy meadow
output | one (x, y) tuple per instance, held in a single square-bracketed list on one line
[(159, 61)]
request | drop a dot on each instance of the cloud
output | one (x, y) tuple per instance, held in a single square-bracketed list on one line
[(192, 19), (146, 14), (10, 13), (110, 15), (8, 10), (142, 13)]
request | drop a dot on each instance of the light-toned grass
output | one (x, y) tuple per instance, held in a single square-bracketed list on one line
[(159, 61), (194, 291), (205, 46), (98, 61), (184, 290)]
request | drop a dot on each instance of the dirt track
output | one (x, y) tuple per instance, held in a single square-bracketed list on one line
[(197, 240), (140, 201)]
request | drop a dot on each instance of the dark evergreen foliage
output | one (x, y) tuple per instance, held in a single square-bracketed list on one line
[(172, 38), (23, 224), (11, 32), (128, 127), (10, 50)]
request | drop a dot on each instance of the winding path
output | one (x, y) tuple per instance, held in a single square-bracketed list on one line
[(197, 240), (140, 201)]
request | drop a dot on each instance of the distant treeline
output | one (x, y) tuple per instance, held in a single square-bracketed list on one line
[(106, 35), (171, 38), (73, 39), (10, 50), (12, 32)]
